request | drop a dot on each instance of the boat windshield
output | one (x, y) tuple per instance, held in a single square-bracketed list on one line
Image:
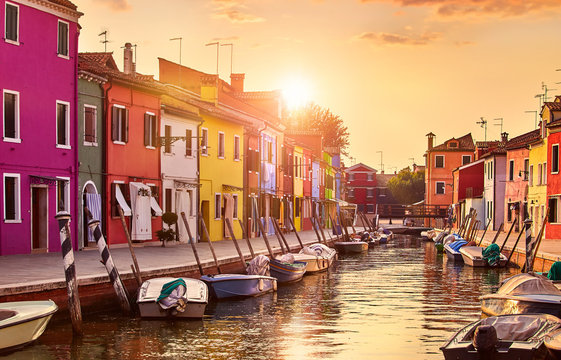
[(521, 327)]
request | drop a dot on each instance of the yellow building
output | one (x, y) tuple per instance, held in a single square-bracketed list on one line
[(298, 185), (537, 183)]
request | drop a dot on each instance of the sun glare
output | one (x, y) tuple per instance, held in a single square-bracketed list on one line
[(296, 93)]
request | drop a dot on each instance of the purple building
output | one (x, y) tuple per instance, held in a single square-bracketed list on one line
[(38, 152)]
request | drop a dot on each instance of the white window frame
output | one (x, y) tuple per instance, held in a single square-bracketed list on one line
[(17, 139), (63, 56), (235, 199), (558, 207), (555, 146), (221, 145), (89, 143), (526, 169), (16, 42), (352, 193), (204, 136), (17, 219), (237, 154), (66, 192), (67, 122), (468, 156), (121, 134), (218, 209), (370, 177), (368, 194), (443, 187), (443, 162), (540, 174), (544, 177), (351, 177), (189, 141), (155, 127)]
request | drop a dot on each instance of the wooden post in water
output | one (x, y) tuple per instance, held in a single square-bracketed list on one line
[(539, 238), (229, 226), (360, 215), (315, 229), (528, 264), (484, 232), (107, 261), (278, 230), (498, 233), (296, 233), (244, 234), (321, 230), (135, 268), (192, 242), (515, 244), (344, 226), (279, 239), (63, 219), (203, 225), (335, 227), (508, 234), (260, 224)]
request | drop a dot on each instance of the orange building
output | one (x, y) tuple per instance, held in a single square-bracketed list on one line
[(441, 160)]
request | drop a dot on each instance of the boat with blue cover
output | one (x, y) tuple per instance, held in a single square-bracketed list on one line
[(453, 250)]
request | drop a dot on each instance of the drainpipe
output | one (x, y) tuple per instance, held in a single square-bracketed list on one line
[(260, 147), (75, 171), (198, 180), (104, 159)]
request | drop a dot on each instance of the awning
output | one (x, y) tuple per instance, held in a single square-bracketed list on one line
[(154, 205), (122, 202)]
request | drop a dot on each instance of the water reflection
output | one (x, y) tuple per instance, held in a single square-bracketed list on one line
[(401, 300)]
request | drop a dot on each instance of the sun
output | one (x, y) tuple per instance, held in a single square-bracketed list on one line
[(296, 93)]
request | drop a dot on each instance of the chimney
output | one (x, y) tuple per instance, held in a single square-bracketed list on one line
[(128, 65), (236, 81), (504, 137), (209, 88), (431, 137)]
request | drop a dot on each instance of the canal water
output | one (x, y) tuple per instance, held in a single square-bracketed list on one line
[(398, 301)]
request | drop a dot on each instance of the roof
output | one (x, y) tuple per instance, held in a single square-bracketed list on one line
[(553, 106), (522, 140), (497, 151), (553, 124), (359, 165), (64, 3), (382, 179), (465, 143)]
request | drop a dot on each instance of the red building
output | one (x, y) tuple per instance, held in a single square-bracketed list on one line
[(551, 115), (468, 189), (131, 158), (361, 187)]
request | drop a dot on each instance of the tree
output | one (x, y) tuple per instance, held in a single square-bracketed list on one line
[(315, 118), (408, 187)]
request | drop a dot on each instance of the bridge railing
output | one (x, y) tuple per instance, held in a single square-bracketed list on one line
[(412, 211)]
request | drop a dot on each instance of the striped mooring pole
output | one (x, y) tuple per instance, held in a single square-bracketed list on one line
[(107, 260), (528, 266), (63, 219)]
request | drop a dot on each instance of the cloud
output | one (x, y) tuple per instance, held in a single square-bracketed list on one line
[(464, 43), (229, 38), (235, 11), (383, 38), (116, 5), (463, 8)]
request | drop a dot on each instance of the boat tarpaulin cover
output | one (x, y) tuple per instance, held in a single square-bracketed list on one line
[(171, 293), (524, 284), (258, 266), (520, 327), (555, 271), (456, 245), (492, 254)]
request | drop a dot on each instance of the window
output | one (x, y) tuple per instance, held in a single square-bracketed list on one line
[(296, 207), (466, 159), (11, 116), (544, 177), (553, 210), (526, 169), (167, 199), (351, 177), (511, 170), (63, 194), (370, 177), (531, 176), (540, 174), (167, 135), (120, 124), (188, 142), (439, 161), (489, 209), (217, 206), (236, 148), (370, 193), (62, 124), (220, 145), (62, 39), (90, 124), (12, 197), (440, 187), (235, 197), (453, 144), (11, 26), (124, 189), (204, 142), (352, 193), (151, 130), (270, 151)]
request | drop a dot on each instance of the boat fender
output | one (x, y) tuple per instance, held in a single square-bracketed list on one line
[(260, 284), (274, 285), (485, 338)]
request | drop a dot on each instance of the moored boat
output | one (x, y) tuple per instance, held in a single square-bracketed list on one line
[(317, 257), (553, 344), (287, 270), (502, 337), (473, 256), (239, 285), (452, 250), (522, 294), (22, 322), (172, 297), (351, 247)]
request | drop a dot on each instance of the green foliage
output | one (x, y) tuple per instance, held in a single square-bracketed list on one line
[(169, 218), (408, 187)]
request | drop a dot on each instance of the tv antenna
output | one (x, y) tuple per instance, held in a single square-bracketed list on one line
[(217, 52), (231, 56), (180, 40), (104, 41), (483, 124), (499, 122)]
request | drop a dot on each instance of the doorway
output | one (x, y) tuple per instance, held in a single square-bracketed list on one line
[(39, 219)]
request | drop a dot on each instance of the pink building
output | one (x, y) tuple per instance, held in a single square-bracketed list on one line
[(38, 151)]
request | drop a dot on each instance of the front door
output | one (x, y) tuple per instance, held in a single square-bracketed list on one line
[(39, 218)]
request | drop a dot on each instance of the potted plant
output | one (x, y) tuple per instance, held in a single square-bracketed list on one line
[(168, 234)]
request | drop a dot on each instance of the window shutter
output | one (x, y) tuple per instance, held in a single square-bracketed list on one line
[(115, 124), (147, 129), (188, 142), (126, 122), (154, 130)]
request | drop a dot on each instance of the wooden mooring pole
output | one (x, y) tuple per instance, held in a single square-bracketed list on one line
[(229, 227), (246, 237), (107, 261), (192, 242), (278, 229), (63, 219), (135, 268), (260, 224), (278, 238), (203, 225), (296, 233)]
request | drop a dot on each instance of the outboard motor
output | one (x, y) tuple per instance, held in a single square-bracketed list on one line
[(485, 340)]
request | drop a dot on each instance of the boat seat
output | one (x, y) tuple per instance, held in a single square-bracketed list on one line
[(6, 314)]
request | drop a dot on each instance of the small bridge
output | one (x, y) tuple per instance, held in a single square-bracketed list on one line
[(397, 211)]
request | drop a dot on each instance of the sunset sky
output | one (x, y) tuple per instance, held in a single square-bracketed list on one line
[(394, 70)]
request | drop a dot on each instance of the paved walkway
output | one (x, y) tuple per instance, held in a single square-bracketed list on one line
[(40, 272)]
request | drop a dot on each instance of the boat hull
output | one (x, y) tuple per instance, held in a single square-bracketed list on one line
[(493, 305), (473, 257), (351, 247), (21, 330), (452, 255), (235, 285), (287, 273)]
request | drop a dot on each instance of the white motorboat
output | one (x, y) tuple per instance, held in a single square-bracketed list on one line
[(351, 247), (317, 257), (22, 322), (473, 256), (172, 297)]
